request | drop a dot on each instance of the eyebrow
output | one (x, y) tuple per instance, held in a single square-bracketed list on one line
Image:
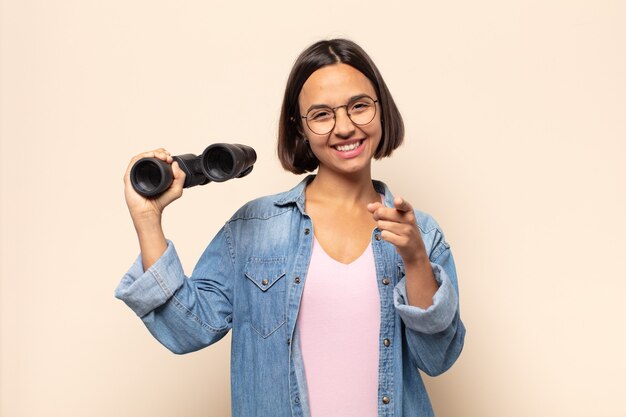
[(326, 106)]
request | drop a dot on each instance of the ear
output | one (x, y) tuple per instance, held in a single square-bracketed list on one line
[(300, 130)]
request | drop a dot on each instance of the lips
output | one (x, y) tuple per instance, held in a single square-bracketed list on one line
[(347, 147)]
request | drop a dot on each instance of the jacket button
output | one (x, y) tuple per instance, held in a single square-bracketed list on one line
[(386, 400), (386, 281), (377, 237), (386, 342), (297, 280), (265, 282), (288, 341), (307, 231), (296, 400)]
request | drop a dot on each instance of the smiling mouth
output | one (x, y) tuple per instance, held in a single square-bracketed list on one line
[(349, 147)]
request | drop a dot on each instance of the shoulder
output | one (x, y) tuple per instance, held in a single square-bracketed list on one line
[(261, 208), (432, 234), (426, 222), (273, 205), (264, 228)]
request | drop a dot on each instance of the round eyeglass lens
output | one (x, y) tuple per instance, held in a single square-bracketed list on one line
[(360, 111)]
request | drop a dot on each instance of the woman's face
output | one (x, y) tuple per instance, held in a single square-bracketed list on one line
[(348, 148)]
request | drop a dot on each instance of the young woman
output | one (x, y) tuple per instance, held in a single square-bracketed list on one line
[(337, 293)]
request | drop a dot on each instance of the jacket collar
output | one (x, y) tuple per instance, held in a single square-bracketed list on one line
[(296, 194)]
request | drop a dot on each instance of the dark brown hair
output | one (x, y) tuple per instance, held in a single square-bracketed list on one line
[(294, 153)]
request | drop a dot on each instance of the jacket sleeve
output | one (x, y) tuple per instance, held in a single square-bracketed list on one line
[(184, 314), (435, 335)]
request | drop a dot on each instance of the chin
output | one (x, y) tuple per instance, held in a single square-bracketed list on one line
[(351, 169)]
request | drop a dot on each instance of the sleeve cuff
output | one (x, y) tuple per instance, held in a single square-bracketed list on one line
[(145, 291), (435, 318)]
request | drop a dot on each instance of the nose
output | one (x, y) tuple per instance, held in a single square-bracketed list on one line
[(343, 125)]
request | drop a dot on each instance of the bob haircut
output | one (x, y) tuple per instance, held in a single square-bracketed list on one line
[(294, 153)]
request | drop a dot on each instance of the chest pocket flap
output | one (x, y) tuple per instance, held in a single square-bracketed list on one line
[(264, 274)]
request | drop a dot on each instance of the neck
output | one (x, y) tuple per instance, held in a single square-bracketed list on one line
[(343, 189)]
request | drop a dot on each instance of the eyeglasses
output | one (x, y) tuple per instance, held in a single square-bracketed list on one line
[(321, 119)]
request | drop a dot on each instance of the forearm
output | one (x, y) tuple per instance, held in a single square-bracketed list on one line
[(177, 313), (421, 284), (152, 243), (434, 334)]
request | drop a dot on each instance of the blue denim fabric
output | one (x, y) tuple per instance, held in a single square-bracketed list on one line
[(250, 279)]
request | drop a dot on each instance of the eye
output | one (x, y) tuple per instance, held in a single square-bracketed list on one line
[(320, 115), (359, 106)]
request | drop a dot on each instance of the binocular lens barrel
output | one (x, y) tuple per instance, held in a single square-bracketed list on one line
[(219, 162), (151, 176)]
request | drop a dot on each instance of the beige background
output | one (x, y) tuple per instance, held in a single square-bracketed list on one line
[(516, 122)]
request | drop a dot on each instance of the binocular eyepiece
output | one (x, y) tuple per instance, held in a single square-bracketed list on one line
[(219, 162)]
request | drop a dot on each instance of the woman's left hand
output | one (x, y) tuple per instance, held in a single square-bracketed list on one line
[(399, 227)]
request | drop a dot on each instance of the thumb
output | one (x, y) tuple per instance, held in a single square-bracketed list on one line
[(179, 175), (176, 188), (372, 207)]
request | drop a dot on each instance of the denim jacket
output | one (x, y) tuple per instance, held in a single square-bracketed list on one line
[(250, 279)]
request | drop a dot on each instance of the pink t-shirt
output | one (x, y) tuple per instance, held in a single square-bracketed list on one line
[(339, 325)]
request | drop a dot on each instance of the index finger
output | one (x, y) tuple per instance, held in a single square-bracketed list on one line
[(157, 153), (401, 204)]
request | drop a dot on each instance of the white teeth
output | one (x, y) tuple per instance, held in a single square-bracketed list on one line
[(346, 148)]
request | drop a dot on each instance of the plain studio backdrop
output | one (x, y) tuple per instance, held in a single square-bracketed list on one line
[(516, 121)]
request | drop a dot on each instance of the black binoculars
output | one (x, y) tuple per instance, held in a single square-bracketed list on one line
[(219, 162)]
